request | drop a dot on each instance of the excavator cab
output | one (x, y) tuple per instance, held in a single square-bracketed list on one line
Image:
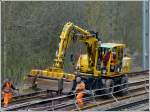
[(110, 68), (111, 60)]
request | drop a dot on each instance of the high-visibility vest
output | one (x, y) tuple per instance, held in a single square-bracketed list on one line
[(113, 61), (7, 87), (106, 59)]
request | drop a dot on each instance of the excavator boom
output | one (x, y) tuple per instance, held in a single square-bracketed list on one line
[(56, 72), (69, 31)]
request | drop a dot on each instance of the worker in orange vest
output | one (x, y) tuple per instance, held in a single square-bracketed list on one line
[(106, 59), (7, 91), (80, 89), (113, 61)]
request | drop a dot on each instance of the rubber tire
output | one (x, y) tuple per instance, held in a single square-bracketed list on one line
[(123, 80)]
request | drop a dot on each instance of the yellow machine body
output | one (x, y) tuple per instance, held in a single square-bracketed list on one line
[(53, 73), (83, 63), (69, 32), (116, 48), (66, 36), (87, 64), (126, 64)]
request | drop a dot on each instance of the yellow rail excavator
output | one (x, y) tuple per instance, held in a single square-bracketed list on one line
[(103, 65)]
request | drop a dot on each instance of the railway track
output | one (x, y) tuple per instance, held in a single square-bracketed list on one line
[(139, 73), (65, 101), (32, 96), (109, 104), (48, 95), (136, 105), (134, 92)]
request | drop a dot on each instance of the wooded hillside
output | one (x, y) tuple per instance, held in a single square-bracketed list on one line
[(30, 30)]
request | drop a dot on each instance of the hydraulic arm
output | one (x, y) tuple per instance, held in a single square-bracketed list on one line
[(70, 32)]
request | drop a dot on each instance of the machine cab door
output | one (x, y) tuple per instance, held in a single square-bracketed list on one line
[(103, 60), (109, 60)]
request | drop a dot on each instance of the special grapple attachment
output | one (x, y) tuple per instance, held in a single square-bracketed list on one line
[(51, 79)]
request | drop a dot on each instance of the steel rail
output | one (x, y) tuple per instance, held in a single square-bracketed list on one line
[(33, 95), (36, 94), (27, 104), (72, 102), (24, 96), (112, 101), (90, 98), (129, 105), (32, 103)]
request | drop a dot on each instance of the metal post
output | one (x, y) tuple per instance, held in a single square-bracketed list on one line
[(53, 106), (145, 34), (145, 84), (93, 96), (60, 86), (113, 95)]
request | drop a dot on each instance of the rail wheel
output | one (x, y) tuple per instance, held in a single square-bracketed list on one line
[(109, 83), (123, 89)]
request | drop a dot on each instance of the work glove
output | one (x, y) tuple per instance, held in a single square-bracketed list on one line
[(17, 89)]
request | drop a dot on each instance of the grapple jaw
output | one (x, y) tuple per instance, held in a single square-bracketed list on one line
[(51, 79)]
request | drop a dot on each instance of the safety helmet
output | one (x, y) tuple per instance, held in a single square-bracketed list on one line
[(7, 80), (78, 79)]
